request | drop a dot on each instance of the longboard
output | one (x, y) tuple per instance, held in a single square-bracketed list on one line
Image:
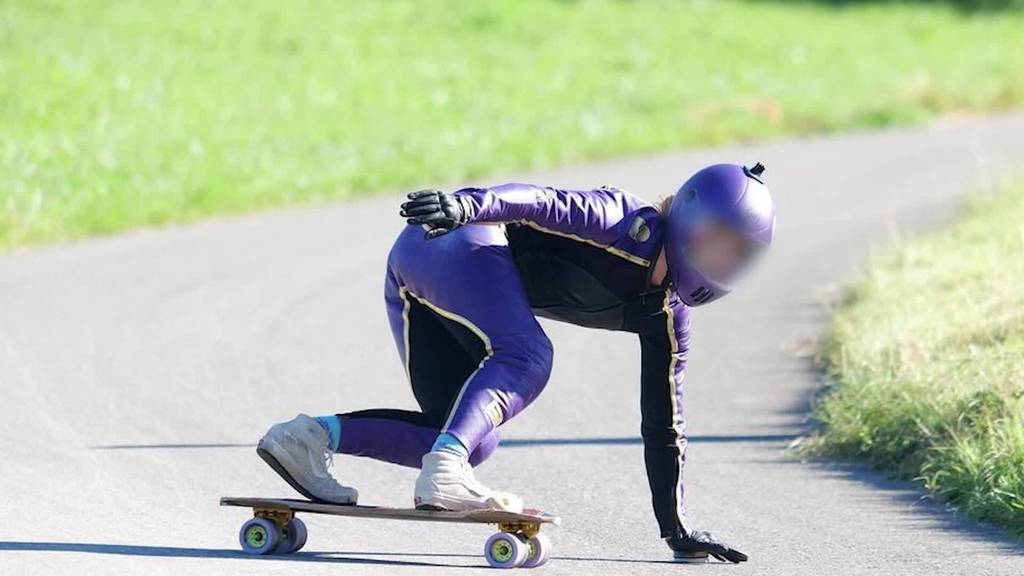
[(275, 529)]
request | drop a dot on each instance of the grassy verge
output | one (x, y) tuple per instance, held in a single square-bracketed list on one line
[(121, 113), (927, 356)]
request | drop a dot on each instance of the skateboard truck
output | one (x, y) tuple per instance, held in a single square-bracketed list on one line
[(275, 515), (530, 529)]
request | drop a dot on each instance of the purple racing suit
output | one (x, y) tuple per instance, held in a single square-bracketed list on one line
[(463, 309)]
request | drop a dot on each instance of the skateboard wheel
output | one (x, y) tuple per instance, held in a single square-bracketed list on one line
[(259, 536), (505, 550), (538, 550), (293, 537)]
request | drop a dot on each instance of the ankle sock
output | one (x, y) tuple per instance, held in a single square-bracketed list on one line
[(332, 425), (451, 444)]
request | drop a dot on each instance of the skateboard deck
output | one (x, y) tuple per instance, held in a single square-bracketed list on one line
[(275, 529), (528, 516)]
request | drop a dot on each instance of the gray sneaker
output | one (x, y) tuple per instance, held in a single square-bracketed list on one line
[(446, 482), (299, 451)]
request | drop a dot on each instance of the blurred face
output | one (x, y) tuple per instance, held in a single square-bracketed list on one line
[(719, 251)]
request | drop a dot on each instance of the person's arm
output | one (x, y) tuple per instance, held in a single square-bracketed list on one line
[(663, 350), (590, 214), (587, 214)]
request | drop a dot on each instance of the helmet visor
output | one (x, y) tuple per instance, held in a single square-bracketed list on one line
[(720, 252)]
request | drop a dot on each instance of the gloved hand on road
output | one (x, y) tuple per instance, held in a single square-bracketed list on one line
[(699, 544), (439, 211)]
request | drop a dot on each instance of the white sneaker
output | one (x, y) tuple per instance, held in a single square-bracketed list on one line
[(299, 452), (446, 482)]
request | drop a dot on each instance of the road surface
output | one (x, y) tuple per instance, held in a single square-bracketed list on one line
[(136, 373)]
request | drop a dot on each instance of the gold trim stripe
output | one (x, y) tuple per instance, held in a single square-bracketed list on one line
[(403, 294), (610, 249), (671, 328), (456, 318), (458, 399)]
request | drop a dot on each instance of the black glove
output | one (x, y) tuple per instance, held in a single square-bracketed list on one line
[(699, 544), (440, 212)]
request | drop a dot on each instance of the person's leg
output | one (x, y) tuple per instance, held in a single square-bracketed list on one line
[(438, 359), (469, 279), (300, 450), (398, 436), (438, 364)]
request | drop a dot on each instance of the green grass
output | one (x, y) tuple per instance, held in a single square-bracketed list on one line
[(927, 360), (118, 113)]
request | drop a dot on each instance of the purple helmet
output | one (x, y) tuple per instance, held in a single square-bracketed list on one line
[(727, 194)]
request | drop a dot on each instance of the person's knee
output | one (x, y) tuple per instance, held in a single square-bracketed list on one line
[(516, 374), (535, 358), (537, 355)]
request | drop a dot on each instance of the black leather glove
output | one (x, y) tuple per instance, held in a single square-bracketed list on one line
[(697, 544), (440, 212)]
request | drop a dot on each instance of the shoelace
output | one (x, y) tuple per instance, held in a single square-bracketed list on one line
[(328, 457), (326, 454)]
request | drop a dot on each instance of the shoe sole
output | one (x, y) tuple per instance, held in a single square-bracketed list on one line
[(443, 508), (283, 473), (441, 505)]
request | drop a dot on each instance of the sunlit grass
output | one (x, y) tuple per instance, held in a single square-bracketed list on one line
[(927, 357), (120, 113)]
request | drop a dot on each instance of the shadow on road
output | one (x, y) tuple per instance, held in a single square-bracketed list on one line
[(553, 558), (179, 552), (922, 510), (172, 446), (338, 557), (709, 439), (505, 443)]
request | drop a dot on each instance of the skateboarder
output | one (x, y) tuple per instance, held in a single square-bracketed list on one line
[(465, 282)]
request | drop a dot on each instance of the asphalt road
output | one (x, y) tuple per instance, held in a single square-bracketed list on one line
[(136, 372)]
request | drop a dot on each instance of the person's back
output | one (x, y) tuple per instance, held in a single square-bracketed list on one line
[(587, 283)]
